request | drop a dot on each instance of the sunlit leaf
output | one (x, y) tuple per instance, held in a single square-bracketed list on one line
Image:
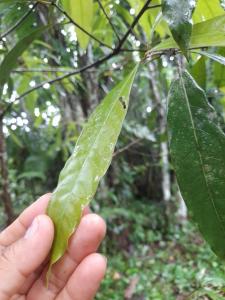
[(207, 9), (197, 147), (178, 14), (79, 179), (210, 33), (82, 13)]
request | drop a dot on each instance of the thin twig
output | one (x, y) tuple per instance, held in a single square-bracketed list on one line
[(133, 50), (19, 22), (137, 18), (119, 151), (81, 28), (154, 6), (53, 70), (50, 82), (108, 18)]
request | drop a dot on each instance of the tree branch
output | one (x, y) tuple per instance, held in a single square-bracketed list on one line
[(126, 147), (115, 52), (154, 6), (51, 70), (19, 22), (81, 28), (137, 18), (108, 18)]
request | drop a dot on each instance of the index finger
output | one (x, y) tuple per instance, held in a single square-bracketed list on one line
[(18, 228)]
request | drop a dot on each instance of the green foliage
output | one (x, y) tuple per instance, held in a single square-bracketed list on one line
[(176, 264), (205, 34), (197, 148), (82, 13), (146, 239), (79, 179), (218, 58), (198, 71), (10, 60), (178, 14)]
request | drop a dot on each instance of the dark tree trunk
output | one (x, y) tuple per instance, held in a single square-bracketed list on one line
[(4, 192)]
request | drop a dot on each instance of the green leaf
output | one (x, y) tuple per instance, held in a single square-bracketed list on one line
[(15, 139), (178, 14), (10, 60), (219, 71), (82, 13), (207, 9), (90, 160), (218, 58), (214, 296), (198, 71), (197, 147), (210, 33)]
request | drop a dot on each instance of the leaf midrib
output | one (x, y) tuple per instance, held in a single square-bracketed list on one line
[(200, 156), (99, 134)]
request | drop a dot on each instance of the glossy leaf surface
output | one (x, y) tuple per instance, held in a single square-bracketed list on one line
[(178, 14), (10, 60), (210, 33), (82, 13), (197, 146), (216, 57), (90, 160)]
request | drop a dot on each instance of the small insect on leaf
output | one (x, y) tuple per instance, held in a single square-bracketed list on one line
[(78, 181), (122, 101)]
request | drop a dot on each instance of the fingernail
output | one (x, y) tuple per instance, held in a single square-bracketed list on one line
[(32, 229)]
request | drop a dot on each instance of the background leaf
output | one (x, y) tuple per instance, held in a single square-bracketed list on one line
[(218, 58), (197, 148), (81, 12), (219, 71), (79, 179), (198, 71), (178, 14), (210, 33), (207, 9), (10, 60)]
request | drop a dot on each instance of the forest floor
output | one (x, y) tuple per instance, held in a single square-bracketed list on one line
[(146, 262)]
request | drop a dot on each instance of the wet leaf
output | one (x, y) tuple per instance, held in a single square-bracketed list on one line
[(197, 146), (90, 160), (178, 14), (216, 57), (205, 34)]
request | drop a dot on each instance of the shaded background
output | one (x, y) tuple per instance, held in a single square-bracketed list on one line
[(154, 251)]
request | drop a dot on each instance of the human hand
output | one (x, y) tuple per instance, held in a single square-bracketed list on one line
[(24, 256)]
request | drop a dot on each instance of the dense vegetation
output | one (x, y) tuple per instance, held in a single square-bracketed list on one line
[(53, 75)]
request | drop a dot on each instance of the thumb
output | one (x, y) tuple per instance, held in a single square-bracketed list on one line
[(23, 257)]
